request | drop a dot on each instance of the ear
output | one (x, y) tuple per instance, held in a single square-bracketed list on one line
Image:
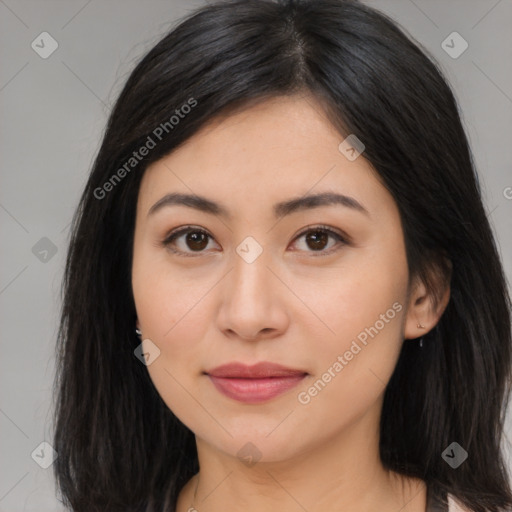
[(425, 308)]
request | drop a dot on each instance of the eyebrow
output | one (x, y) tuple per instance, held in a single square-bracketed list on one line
[(281, 209)]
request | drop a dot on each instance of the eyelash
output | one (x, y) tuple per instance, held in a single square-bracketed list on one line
[(342, 239)]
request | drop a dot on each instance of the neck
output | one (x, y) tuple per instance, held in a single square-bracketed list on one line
[(342, 473)]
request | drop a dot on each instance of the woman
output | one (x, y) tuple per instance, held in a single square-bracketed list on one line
[(282, 291)]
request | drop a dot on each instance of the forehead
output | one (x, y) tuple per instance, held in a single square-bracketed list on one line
[(291, 126), (275, 150)]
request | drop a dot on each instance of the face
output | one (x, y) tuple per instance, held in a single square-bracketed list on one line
[(259, 273)]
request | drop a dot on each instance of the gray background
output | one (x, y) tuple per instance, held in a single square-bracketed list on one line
[(53, 112)]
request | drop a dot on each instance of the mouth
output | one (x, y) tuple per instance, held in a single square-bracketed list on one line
[(254, 384)]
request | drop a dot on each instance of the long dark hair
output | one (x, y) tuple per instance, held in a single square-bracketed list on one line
[(119, 446)]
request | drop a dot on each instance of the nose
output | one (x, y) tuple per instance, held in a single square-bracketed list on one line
[(253, 301)]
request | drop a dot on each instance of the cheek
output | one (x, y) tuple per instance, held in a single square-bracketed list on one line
[(354, 365), (357, 295), (167, 298), (363, 304), (172, 315)]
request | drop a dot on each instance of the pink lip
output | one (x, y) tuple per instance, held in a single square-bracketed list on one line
[(254, 384)]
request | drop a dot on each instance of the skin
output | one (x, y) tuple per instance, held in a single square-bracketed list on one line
[(292, 306)]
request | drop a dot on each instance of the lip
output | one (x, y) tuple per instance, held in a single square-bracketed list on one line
[(254, 384)]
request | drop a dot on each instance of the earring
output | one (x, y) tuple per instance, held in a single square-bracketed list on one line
[(138, 332), (421, 339)]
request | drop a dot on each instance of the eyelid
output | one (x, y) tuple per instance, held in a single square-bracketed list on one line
[(338, 234), (323, 227)]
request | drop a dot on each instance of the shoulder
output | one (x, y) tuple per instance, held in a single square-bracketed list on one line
[(454, 506)]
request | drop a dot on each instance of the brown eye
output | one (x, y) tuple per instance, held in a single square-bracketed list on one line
[(187, 241), (317, 240), (190, 240), (196, 240)]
